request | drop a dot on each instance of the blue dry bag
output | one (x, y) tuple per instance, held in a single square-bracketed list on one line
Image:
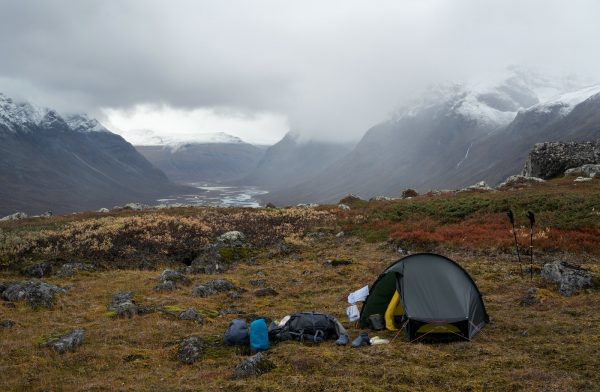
[(259, 336)]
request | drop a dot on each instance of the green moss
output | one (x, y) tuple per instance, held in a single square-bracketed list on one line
[(229, 255)]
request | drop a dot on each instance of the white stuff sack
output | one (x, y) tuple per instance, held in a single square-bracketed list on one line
[(353, 313)]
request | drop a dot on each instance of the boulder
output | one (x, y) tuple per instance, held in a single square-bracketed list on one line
[(253, 366), (123, 305), (344, 207), (35, 293), (69, 269), (309, 205), (408, 193), (569, 277), (232, 238), (192, 315), (209, 263), (552, 159), (104, 210), (67, 342), (589, 170), (38, 270), (190, 350), (134, 206), (381, 198), (270, 205), (519, 181), (481, 186), (15, 216), (212, 287), (258, 282)]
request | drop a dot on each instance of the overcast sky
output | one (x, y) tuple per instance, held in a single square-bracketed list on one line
[(255, 69)]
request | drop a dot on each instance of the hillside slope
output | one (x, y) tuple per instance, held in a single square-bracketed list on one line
[(47, 164)]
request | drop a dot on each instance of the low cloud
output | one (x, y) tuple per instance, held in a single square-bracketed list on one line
[(332, 69)]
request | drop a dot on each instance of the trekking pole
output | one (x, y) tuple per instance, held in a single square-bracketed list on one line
[(531, 217), (511, 217)]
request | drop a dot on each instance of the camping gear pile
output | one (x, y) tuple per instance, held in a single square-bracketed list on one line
[(428, 296)]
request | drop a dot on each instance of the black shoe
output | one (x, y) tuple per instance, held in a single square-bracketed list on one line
[(361, 340), (342, 340)]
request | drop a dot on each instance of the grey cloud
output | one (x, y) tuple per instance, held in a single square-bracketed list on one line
[(334, 68)]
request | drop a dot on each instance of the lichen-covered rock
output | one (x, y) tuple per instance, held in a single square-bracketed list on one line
[(38, 270), (267, 291), (192, 315), (589, 170), (212, 287), (552, 159), (173, 276), (519, 181), (210, 261), (68, 342), (253, 366), (69, 269), (569, 277), (481, 186), (582, 179), (35, 293), (232, 238), (15, 216), (123, 305), (190, 350)]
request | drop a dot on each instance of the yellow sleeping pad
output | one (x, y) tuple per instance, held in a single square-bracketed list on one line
[(394, 309), (438, 328)]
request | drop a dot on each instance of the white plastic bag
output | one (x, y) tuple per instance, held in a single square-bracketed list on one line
[(353, 313), (358, 295)]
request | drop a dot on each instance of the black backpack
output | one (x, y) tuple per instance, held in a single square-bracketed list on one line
[(305, 327)]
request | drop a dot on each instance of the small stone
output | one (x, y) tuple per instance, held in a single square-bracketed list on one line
[(258, 282), (268, 291), (531, 298), (190, 350), (67, 342), (38, 270), (583, 179), (253, 366), (340, 234), (165, 286), (69, 269), (174, 277), (7, 323), (122, 304), (192, 315), (212, 287)]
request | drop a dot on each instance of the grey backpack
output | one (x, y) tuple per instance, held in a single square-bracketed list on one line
[(237, 334)]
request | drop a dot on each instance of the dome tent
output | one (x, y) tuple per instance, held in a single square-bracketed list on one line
[(438, 298)]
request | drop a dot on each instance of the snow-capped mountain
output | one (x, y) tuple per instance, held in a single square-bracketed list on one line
[(456, 135), (50, 162), (147, 137)]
